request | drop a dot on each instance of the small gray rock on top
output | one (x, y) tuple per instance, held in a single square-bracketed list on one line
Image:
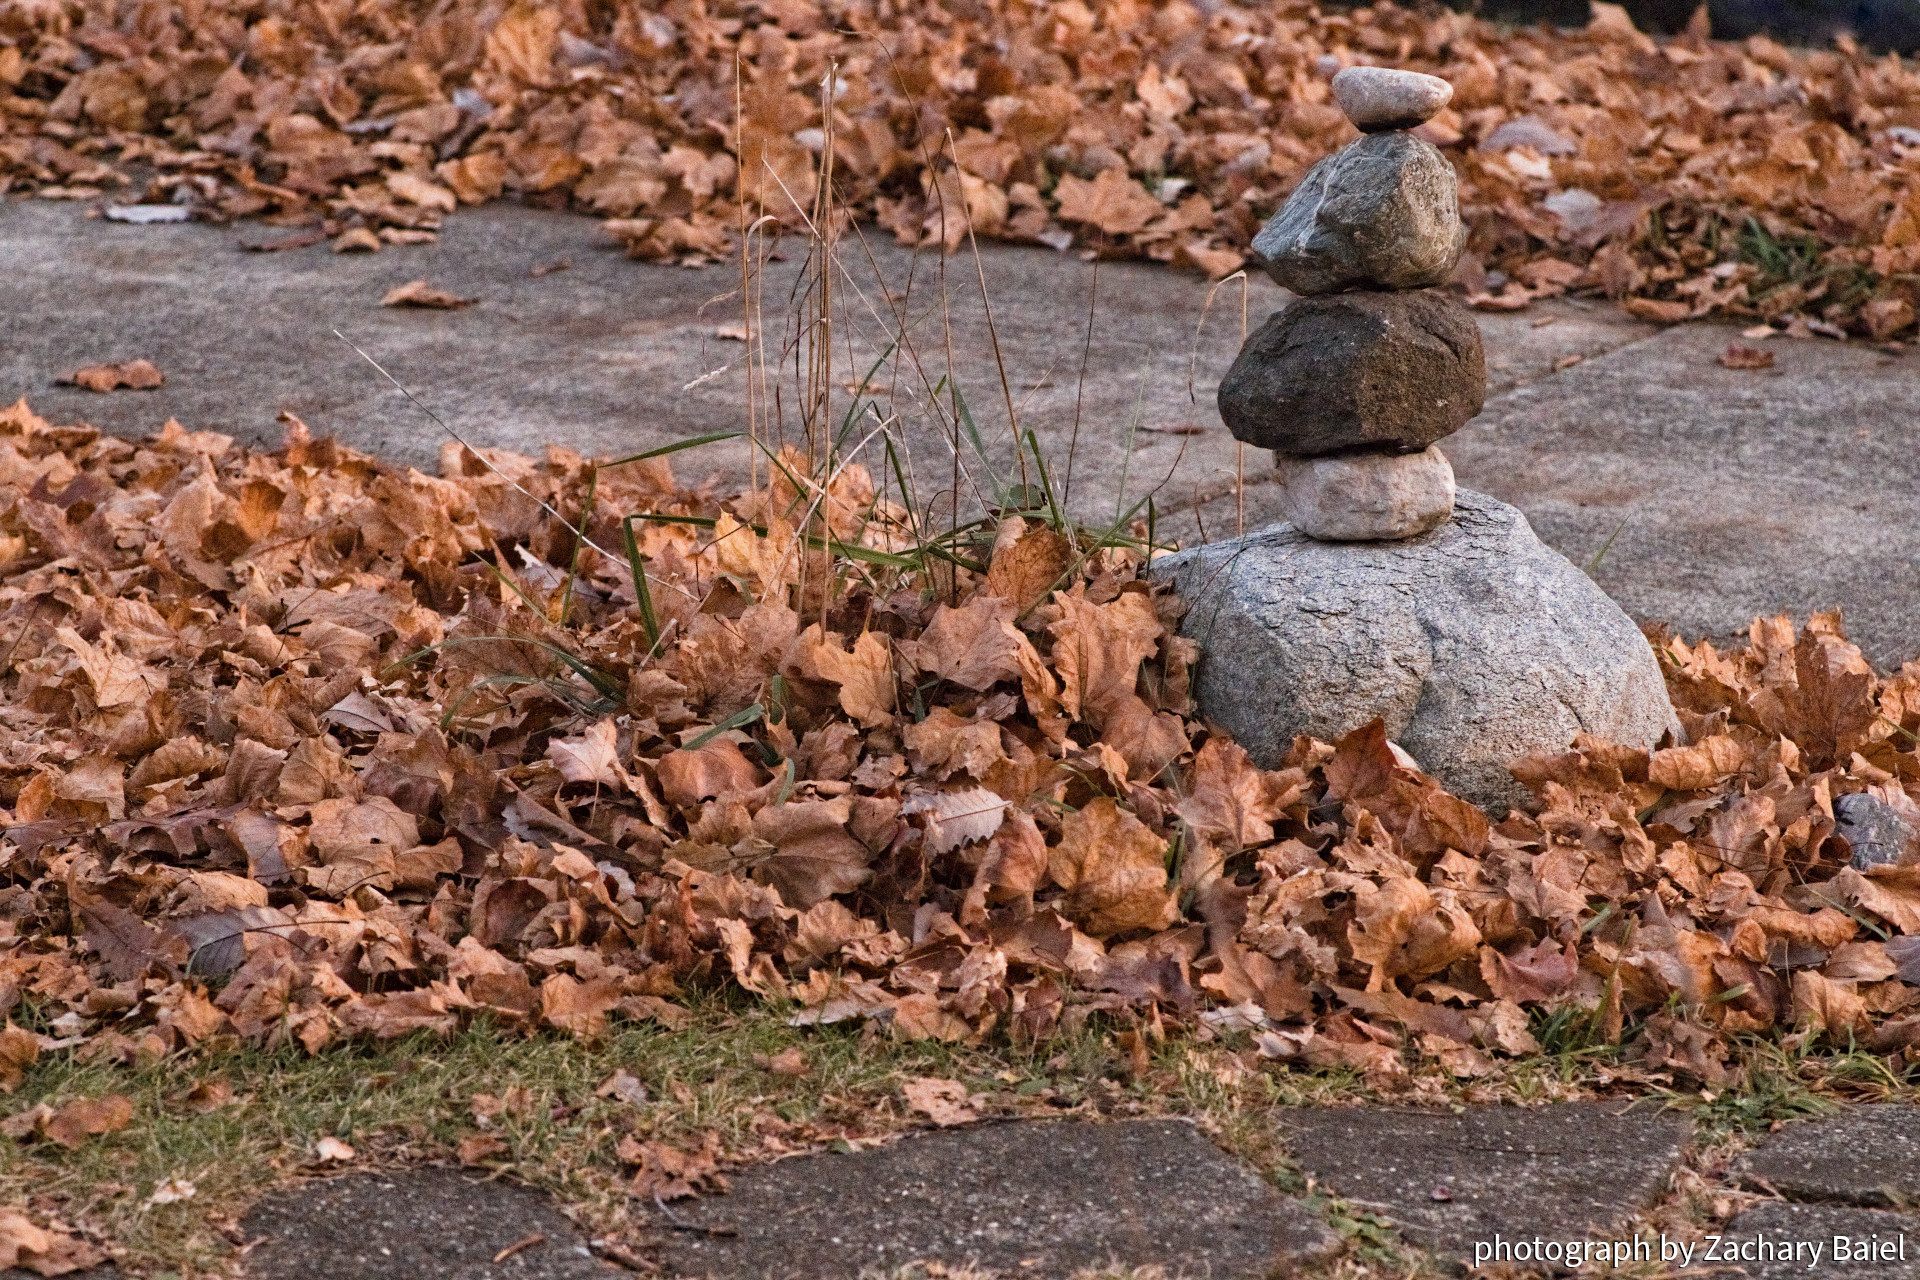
[(1476, 643), (1380, 98), (1380, 213), (1393, 371)]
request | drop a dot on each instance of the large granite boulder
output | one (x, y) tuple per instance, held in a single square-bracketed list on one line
[(1477, 644), (1380, 213), (1354, 371)]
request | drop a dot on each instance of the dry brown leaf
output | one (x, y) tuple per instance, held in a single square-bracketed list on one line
[(135, 375), (1113, 869), (1740, 356), (418, 293), (86, 1118), (945, 1102)]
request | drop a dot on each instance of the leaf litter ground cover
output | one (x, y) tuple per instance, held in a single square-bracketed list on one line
[(1687, 176), (302, 749)]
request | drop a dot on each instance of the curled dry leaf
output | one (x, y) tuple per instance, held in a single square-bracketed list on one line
[(988, 812), (1740, 356), (945, 1102), (134, 375), (45, 1251), (418, 293)]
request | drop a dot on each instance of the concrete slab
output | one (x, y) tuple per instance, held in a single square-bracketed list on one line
[(419, 1224), (611, 356), (1039, 1199), (1865, 1155), (1726, 493), (1778, 1241), (1449, 1179)]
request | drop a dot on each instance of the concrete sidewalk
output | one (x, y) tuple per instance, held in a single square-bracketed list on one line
[(1717, 494)]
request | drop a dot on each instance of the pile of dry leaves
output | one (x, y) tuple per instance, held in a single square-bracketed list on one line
[(298, 745), (1688, 176)]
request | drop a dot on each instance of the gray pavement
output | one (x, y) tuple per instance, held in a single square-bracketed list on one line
[(414, 1224), (1047, 1200), (1717, 494), (1866, 1155), (1462, 1183)]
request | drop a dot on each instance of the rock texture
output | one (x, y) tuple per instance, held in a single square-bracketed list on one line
[(1476, 644), (1380, 213), (1364, 497), (1879, 834), (1393, 371), (1381, 98)]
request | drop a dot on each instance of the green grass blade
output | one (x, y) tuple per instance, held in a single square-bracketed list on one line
[(692, 443)]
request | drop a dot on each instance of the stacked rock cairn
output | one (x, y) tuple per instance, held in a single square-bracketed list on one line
[(1353, 384), (1387, 593)]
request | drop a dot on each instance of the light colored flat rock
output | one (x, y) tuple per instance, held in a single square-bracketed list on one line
[(1366, 497), (1381, 98), (1475, 643), (1380, 213)]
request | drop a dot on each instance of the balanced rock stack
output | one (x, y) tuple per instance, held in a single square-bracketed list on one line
[(1353, 384), (1387, 593)]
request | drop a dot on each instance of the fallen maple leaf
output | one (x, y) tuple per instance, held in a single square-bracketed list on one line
[(1113, 869), (136, 375), (41, 1250), (86, 1118), (1740, 356), (945, 1102), (418, 293)]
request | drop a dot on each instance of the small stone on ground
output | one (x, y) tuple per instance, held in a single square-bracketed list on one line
[(1033, 1199), (1450, 1180), (418, 1224), (1861, 1233), (1867, 1155)]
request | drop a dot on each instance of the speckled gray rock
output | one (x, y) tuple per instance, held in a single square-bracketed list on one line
[(1879, 834), (1357, 371), (1381, 98), (1366, 497), (1476, 643), (1382, 213)]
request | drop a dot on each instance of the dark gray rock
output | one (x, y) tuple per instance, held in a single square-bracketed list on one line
[(1879, 834), (1382, 213), (1357, 370), (1476, 643), (416, 1224), (1040, 1199), (1865, 1155), (1775, 1241), (1452, 1180)]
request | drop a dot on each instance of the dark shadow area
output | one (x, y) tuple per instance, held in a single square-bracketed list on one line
[(1876, 24)]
